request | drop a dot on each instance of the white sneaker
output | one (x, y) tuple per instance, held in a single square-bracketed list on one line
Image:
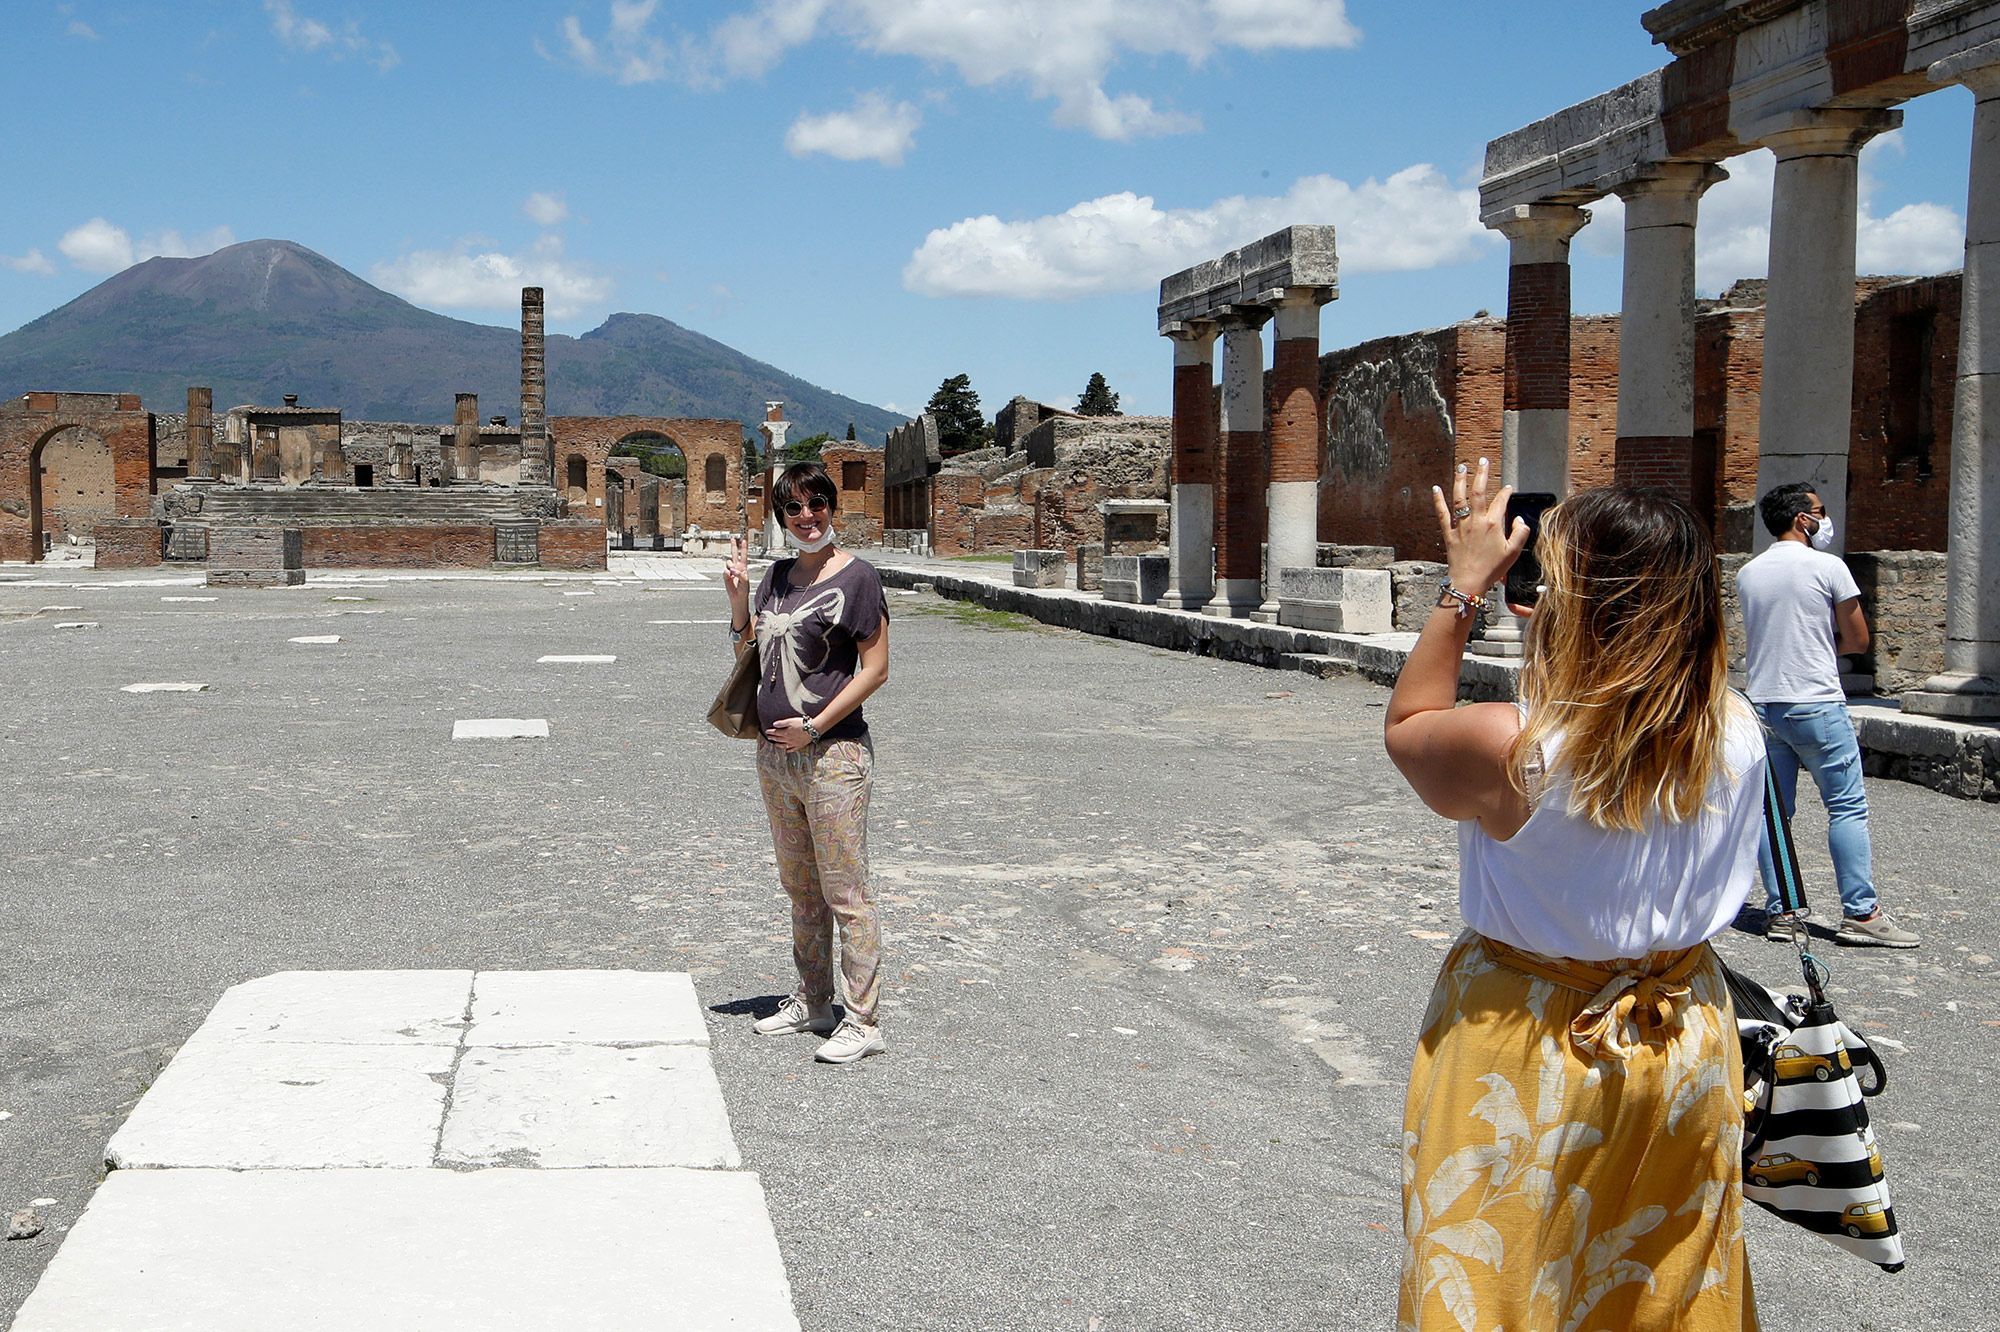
[(851, 1041), (796, 1015)]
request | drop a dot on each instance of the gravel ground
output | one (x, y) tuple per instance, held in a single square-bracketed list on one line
[(1159, 933)]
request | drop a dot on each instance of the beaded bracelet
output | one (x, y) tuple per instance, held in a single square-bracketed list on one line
[(1464, 603)]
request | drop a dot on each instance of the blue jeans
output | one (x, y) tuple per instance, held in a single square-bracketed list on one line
[(1821, 737)]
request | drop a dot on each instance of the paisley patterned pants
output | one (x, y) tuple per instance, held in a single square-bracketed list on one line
[(818, 803)]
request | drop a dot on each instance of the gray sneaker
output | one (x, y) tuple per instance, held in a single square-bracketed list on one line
[(796, 1015), (851, 1041), (1876, 931), (1782, 927)]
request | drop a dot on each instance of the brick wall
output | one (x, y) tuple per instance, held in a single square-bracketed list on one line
[(575, 544), (957, 498), (861, 507), (129, 543), (29, 421), (594, 439), (1903, 392), (1538, 330), (397, 545)]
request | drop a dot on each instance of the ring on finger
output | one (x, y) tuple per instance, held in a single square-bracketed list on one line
[(1462, 512)]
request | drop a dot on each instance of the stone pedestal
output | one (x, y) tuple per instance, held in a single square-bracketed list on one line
[(1090, 566), (255, 557), (1341, 601), (1039, 568), (1806, 417), (1136, 579)]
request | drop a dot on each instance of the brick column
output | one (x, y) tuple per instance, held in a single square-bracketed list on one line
[(1969, 686), (1534, 431), (1808, 391), (1240, 507), (1191, 527), (536, 468), (1296, 430), (1656, 327), (201, 434)]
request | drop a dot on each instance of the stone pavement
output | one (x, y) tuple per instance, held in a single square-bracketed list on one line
[(449, 1149), (1159, 931)]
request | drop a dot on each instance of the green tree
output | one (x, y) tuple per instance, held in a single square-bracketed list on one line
[(807, 449), (1097, 399), (961, 427), (850, 430)]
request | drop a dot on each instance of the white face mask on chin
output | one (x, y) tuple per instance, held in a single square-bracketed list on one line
[(824, 540), (1822, 536)]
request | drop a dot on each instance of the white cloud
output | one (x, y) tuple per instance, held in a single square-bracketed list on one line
[(97, 247), (874, 128), (1125, 242), (545, 209), (1060, 50), (1733, 235), (302, 33), (78, 28), (34, 261), (462, 279)]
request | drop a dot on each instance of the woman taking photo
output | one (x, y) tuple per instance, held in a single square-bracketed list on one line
[(1574, 1117), (821, 632)]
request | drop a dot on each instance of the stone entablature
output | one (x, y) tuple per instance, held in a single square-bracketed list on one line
[(1259, 274)]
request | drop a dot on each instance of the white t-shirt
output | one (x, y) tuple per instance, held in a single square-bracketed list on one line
[(1564, 887), (1788, 595)]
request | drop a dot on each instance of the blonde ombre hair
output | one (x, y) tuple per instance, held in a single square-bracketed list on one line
[(1626, 662)]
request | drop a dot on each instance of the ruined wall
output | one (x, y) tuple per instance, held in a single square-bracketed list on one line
[(129, 543), (858, 474), (713, 450), (27, 423), (401, 545), (1093, 459), (575, 544), (1905, 375)]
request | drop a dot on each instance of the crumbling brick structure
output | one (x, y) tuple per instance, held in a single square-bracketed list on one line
[(98, 451), (857, 471), (583, 446)]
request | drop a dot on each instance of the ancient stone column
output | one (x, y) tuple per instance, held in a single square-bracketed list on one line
[(464, 461), (1534, 430), (774, 429), (1296, 425), (1240, 505), (1806, 413), (1969, 686), (1191, 528), (1656, 327), (535, 464), (201, 434)]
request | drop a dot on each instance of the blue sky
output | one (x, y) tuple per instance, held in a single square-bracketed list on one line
[(871, 194)]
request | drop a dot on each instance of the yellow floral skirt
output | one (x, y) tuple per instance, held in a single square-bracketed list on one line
[(1570, 1148)]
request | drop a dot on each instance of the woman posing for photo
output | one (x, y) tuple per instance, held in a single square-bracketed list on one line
[(821, 632), (1574, 1117)]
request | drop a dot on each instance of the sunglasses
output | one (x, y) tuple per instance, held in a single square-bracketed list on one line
[(817, 504)]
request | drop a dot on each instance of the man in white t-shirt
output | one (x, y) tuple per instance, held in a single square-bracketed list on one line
[(1801, 611)]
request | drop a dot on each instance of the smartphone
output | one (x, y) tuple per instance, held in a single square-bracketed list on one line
[(1524, 580)]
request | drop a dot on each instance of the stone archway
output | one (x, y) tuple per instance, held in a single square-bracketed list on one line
[(661, 456), (101, 466), (712, 507), (75, 486)]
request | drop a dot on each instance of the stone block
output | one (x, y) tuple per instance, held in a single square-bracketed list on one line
[(1344, 600), (1298, 256), (256, 557), (1039, 568), (1136, 579), (1327, 555), (128, 543), (516, 1008), (1090, 566)]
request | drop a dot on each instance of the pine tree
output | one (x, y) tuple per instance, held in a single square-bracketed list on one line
[(961, 428), (1097, 399), (850, 430)]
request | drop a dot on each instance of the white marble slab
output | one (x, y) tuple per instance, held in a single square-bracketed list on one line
[(164, 687), (76, 624), (575, 1106), (500, 728), (315, 638), (585, 660), (342, 1007), (187, 598), (511, 1008), (252, 1105), (450, 1251), (579, 594)]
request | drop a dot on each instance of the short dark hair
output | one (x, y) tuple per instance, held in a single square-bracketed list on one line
[(1784, 504), (799, 482)]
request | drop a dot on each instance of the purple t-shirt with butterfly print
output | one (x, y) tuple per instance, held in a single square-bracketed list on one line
[(808, 641)]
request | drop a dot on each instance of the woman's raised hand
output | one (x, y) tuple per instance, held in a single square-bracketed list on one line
[(736, 572), (1478, 547)]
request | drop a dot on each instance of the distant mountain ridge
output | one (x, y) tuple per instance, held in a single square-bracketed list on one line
[(264, 318)]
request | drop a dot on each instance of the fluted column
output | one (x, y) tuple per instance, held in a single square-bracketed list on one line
[(536, 466), (1534, 431), (1240, 505), (1656, 327), (201, 434), (1191, 526), (1806, 414), (1969, 686), (1292, 500)]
